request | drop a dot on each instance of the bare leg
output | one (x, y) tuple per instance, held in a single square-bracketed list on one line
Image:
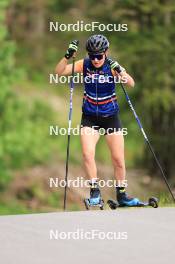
[(116, 146), (88, 143)]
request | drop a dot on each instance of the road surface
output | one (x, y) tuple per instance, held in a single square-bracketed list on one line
[(131, 236)]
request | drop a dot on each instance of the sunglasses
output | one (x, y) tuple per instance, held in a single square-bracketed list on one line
[(95, 56)]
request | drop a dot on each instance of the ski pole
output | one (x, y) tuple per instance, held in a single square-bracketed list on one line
[(69, 129), (147, 141)]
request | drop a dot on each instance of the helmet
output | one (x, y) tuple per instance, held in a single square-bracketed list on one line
[(97, 44)]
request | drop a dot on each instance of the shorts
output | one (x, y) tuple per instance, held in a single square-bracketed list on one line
[(107, 124)]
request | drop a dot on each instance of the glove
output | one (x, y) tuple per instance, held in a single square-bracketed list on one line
[(115, 66), (73, 47)]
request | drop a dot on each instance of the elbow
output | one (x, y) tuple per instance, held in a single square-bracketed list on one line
[(131, 82)]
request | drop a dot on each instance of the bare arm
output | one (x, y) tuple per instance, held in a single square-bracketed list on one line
[(119, 71), (63, 68), (127, 79)]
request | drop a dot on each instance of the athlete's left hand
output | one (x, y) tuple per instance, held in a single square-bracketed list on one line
[(115, 66)]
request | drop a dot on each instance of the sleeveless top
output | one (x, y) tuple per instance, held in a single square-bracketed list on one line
[(99, 90)]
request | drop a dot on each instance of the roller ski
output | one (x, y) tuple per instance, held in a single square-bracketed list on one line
[(95, 199), (123, 200)]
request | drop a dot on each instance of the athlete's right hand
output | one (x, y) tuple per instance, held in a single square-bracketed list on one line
[(73, 47)]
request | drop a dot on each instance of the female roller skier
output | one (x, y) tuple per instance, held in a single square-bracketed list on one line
[(100, 110)]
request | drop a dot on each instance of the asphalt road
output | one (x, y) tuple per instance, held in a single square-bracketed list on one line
[(140, 235)]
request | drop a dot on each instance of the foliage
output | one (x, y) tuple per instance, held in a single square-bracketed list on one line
[(23, 122), (29, 52)]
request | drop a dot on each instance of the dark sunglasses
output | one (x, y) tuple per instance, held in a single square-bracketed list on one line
[(95, 56)]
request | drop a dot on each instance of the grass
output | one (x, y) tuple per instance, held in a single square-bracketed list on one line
[(166, 201), (14, 208)]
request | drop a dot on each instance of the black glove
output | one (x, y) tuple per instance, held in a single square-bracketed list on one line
[(73, 47), (115, 66)]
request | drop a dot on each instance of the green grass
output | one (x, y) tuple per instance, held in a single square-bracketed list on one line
[(165, 201), (14, 208)]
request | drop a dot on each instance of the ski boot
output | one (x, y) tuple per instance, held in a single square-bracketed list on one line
[(95, 197), (125, 200)]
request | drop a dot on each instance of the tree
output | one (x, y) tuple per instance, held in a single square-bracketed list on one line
[(149, 46)]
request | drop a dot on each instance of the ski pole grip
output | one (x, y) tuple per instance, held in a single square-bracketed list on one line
[(77, 43)]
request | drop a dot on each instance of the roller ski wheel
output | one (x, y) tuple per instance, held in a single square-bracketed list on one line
[(153, 201), (86, 202), (112, 204), (101, 205)]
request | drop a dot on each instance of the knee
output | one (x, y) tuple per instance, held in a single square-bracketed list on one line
[(118, 162), (88, 156)]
